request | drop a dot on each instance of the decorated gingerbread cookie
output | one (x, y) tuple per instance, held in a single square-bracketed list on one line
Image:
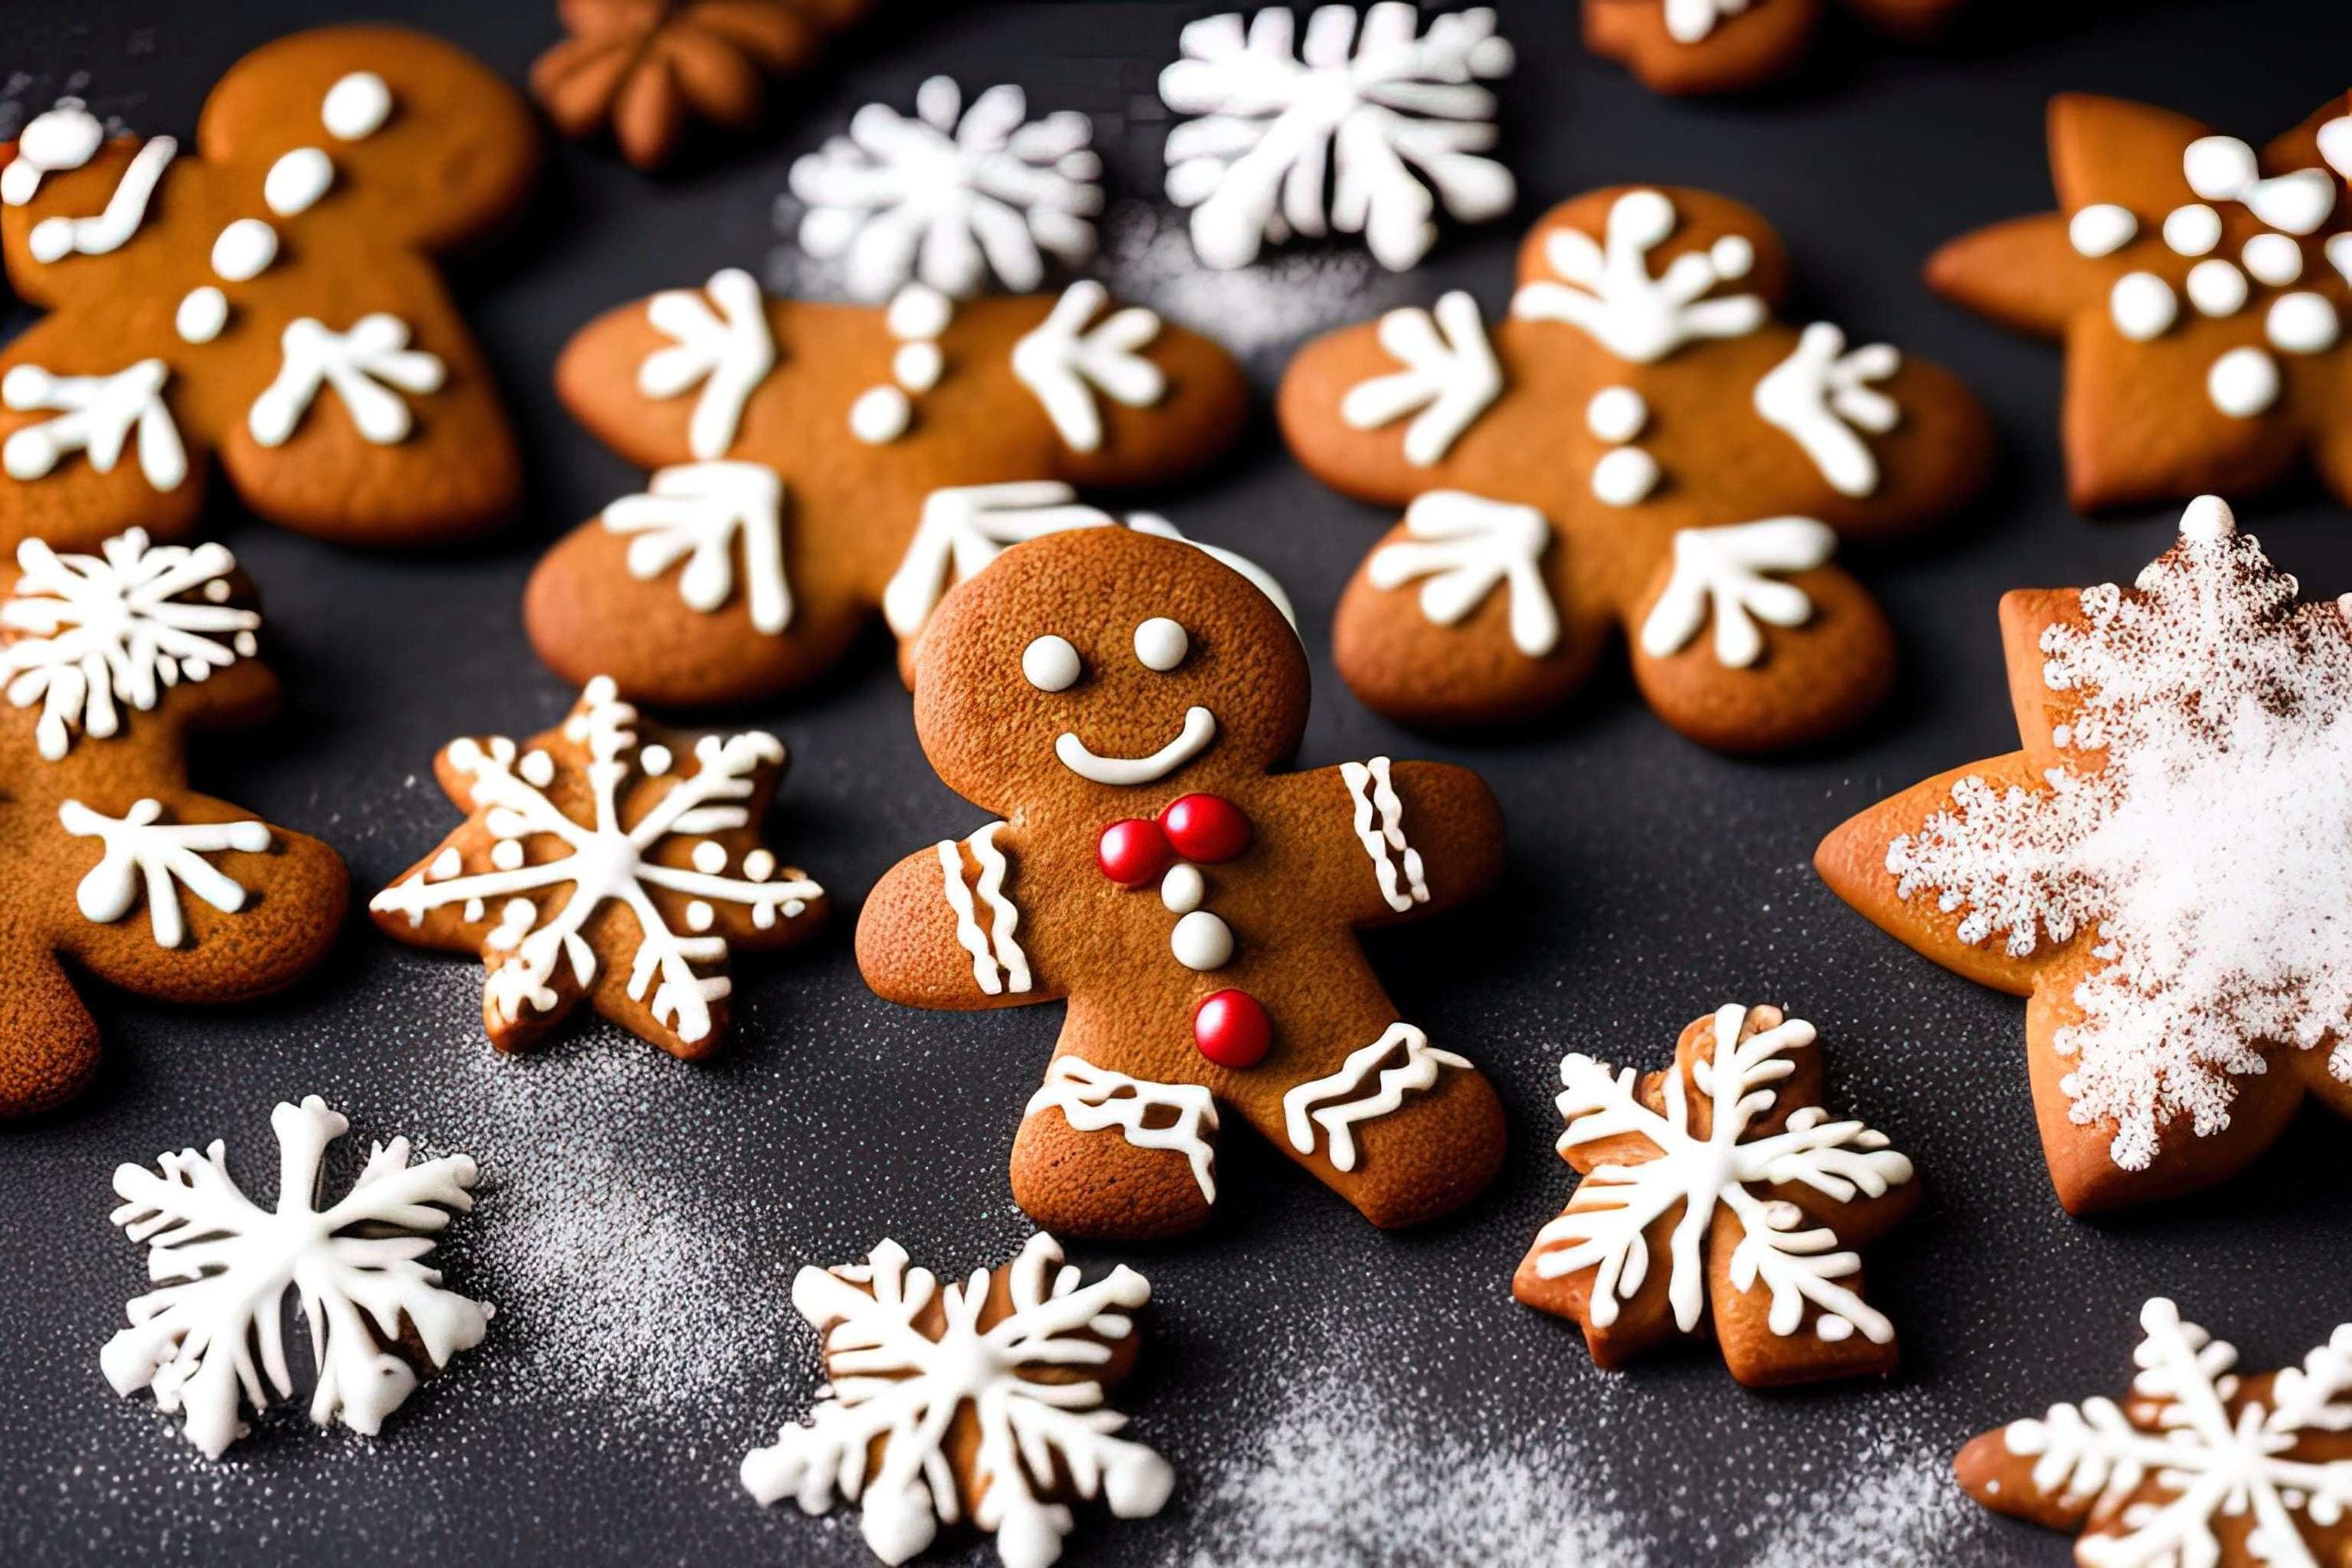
[(2199, 289), (109, 664), (1123, 704), (1691, 47), (1640, 448), (2184, 978), (2199, 1463), (1718, 1194), (608, 861), (821, 467), (984, 1401), (268, 300)]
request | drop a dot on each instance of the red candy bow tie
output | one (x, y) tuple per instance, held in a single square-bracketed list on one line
[(1205, 829)]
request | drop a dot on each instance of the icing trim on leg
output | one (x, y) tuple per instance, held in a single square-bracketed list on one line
[(1091, 1099), (1303, 1107)]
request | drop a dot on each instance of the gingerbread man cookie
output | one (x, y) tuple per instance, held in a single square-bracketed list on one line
[(1691, 47), (1642, 446), (2157, 870), (1121, 703), (606, 861), (108, 665), (818, 467), (268, 299), (2199, 289)]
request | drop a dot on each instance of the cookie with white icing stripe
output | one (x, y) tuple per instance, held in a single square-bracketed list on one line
[(1641, 450), (1688, 48), (818, 468), (1125, 707), (109, 665), (265, 299)]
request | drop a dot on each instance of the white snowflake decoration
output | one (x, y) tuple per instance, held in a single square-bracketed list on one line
[(142, 851), (607, 860), (1365, 108), (894, 1380), (726, 352), (122, 626), (1064, 363), (1450, 377), (1606, 1226), (699, 513), (951, 194), (368, 366), (1461, 548), (225, 1265), (1724, 571), (101, 413), (1608, 291)]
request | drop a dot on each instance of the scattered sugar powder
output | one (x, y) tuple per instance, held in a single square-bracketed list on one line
[(2209, 852), (1261, 310)]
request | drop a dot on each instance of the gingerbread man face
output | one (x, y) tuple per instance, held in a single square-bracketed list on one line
[(1693, 46), (266, 299), (2199, 291), (1120, 702), (1640, 448), (818, 467)]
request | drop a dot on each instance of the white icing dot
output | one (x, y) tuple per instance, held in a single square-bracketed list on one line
[(1832, 1330), (216, 590), (538, 769), (445, 865), (1732, 256), (918, 310), (297, 180), (244, 248), (2218, 168), (2102, 229), (1202, 942), (880, 415), (700, 916), (2143, 306), (1182, 890), (2208, 519), (2301, 323), (710, 857), (2273, 258), (917, 366), (202, 313), (507, 856), (2243, 383), (2216, 289), (356, 107), (2192, 230), (2338, 251), (759, 865), (1162, 644), (1616, 414), (655, 759), (1625, 476), (1050, 663), (65, 137)]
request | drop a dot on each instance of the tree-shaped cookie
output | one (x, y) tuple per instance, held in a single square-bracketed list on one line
[(608, 862), (1718, 1193), (109, 665), (2158, 870), (2199, 290), (821, 467), (267, 299), (1691, 47), (2198, 1464), (1122, 704), (1640, 446)]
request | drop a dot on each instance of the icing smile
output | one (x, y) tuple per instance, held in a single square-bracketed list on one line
[(1200, 729)]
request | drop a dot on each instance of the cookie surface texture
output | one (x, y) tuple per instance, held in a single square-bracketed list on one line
[(1688, 48)]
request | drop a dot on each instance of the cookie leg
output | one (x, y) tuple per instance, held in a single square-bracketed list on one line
[(1404, 1130), (1105, 1155), (49, 1042)]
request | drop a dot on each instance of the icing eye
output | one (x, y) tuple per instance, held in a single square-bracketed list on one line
[(1051, 664), (1162, 644)]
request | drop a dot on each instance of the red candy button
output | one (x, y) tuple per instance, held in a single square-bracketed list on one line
[(1230, 1027), (1205, 828), (1133, 853)]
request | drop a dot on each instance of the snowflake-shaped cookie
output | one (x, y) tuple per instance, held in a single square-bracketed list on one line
[(1369, 109), (377, 1314), (1726, 1171), (952, 194), (1023, 1353), (597, 864), (2201, 1465)]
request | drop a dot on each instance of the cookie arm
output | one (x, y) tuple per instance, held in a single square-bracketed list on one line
[(944, 929), (1398, 840), (49, 1041), (2020, 272)]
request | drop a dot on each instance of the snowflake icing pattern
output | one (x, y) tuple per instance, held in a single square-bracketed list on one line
[(907, 1356), (225, 1265)]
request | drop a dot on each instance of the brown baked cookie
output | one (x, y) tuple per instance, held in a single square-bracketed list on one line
[(1640, 445), (2199, 291), (1721, 1183), (2158, 871), (109, 664), (2199, 1463), (269, 300), (609, 861), (1123, 703), (1691, 47), (818, 466)]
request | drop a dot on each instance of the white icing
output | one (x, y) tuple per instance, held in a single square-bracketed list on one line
[(1362, 1090), (1451, 377), (363, 365), (125, 625), (2273, 258), (1690, 21), (1626, 476), (297, 181), (1616, 414), (1822, 395), (918, 366), (1371, 107), (1199, 731), (964, 528), (2101, 229), (2224, 169), (2302, 323), (356, 107), (699, 513), (54, 239), (1467, 546), (1051, 663), (1162, 644), (1611, 294), (2336, 144), (1202, 942), (1722, 570), (244, 250), (997, 963), (727, 353), (142, 851), (65, 137), (1379, 822), (2338, 251), (100, 414), (2143, 306), (1183, 888), (1064, 363), (880, 415), (202, 313), (918, 313), (1092, 1099), (2243, 383), (2192, 230), (2216, 289)]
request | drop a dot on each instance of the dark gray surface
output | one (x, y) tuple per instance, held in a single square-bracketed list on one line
[(1330, 1395)]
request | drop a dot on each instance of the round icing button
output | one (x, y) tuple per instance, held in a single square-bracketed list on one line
[(1050, 663), (1132, 853), (1161, 644), (1202, 942), (1182, 890), (1231, 1029), (1205, 828)]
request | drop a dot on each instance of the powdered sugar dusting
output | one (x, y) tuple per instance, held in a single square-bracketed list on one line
[(2207, 837)]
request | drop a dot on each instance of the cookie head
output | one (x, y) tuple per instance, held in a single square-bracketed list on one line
[(1103, 660)]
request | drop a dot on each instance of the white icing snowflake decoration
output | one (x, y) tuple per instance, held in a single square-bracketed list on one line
[(1608, 291), (224, 1265), (1365, 110), (1462, 547), (903, 1384), (951, 194), (1723, 571), (368, 367), (1064, 363), (1450, 377), (141, 850), (697, 513), (100, 413), (726, 352)]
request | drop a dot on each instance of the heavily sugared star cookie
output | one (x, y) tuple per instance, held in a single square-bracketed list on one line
[(1719, 1188), (1690, 47), (984, 1401), (821, 467), (2158, 871), (268, 301), (2199, 290), (606, 861), (2199, 1464), (109, 664), (1641, 448)]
